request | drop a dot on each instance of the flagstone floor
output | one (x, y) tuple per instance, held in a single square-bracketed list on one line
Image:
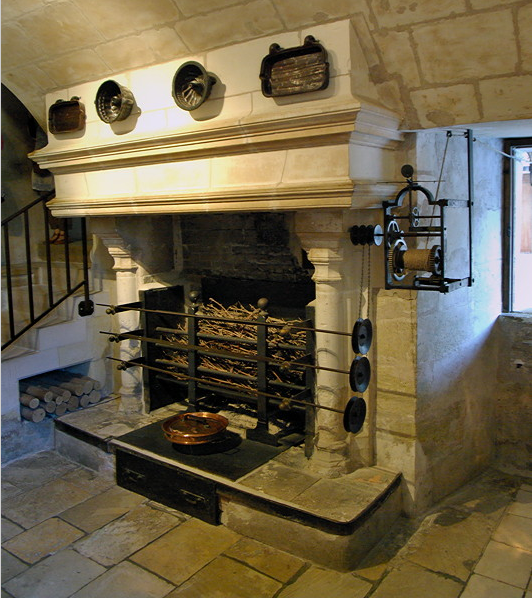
[(68, 531)]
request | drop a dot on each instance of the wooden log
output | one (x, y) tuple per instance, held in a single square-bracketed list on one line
[(29, 401), (58, 399), (95, 396), (35, 390), (68, 378), (51, 379), (33, 415), (96, 384), (84, 401), (73, 403), (61, 409), (48, 407), (63, 393)]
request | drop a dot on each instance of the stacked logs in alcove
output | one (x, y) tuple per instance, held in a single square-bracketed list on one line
[(55, 393), (242, 334)]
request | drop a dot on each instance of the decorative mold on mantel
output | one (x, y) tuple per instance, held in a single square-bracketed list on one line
[(325, 149)]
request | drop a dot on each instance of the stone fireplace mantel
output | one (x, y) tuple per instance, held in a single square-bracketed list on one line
[(244, 152)]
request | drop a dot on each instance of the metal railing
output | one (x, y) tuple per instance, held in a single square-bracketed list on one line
[(27, 310)]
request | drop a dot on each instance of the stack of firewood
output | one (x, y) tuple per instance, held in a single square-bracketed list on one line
[(55, 393), (277, 336)]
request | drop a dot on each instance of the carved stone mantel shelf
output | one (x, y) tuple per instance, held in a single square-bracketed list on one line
[(370, 127)]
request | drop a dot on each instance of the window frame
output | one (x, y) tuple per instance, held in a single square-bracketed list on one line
[(508, 223)]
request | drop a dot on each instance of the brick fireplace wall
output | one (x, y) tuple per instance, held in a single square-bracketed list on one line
[(248, 246)]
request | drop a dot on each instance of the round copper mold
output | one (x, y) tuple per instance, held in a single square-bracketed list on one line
[(194, 428)]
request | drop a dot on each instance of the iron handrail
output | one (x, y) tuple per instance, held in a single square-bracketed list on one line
[(54, 298)]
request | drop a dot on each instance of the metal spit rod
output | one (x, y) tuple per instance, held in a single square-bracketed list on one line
[(112, 309), (219, 353), (124, 365)]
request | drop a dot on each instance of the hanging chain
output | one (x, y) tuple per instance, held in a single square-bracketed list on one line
[(365, 268), (369, 280), (361, 297), (439, 184)]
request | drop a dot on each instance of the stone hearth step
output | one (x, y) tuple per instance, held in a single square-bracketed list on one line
[(270, 494)]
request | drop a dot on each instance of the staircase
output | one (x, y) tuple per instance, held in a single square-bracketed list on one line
[(46, 294)]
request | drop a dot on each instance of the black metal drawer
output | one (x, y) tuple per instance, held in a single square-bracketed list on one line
[(172, 487)]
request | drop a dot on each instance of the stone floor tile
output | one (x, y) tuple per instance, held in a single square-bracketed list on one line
[(324, 582), (126, 580), (32, 507), (36, 470), (515, 531), (279, 480), (58, 576), (489, 494), (11, 566), (374, 565), (117, 540), (452, 544), (4, 594), (505, 563), (224, 577), (522, 504), (10, 529), (180, 553), (9, 490), (102, 508), (89, 480), (275, 563), (484, 587), (335, 499), (411, 581), (42, 540)]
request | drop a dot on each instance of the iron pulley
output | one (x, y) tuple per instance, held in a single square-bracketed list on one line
[(362, 336), (359, 374), (366, 234)]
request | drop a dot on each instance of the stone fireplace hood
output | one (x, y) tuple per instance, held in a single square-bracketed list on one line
[(239, 151)]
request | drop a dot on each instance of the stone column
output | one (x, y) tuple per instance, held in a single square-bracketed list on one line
[(131, 390), (321, 236)]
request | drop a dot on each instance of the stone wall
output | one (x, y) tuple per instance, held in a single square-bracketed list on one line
[(513, 413), (437, 353)]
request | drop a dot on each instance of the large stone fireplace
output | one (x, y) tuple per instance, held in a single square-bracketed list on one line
[(174, 196), (162, 185)]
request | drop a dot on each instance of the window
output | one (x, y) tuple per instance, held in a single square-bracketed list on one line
[(518, 228)]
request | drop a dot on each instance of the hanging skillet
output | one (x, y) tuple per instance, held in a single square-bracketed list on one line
[(362, 336), (354, 414)]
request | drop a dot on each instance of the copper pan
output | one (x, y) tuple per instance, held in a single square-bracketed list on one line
[(194, 428)]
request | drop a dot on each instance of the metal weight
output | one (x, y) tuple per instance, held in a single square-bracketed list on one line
[(359, 374), (362, 336), (354, 414)]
